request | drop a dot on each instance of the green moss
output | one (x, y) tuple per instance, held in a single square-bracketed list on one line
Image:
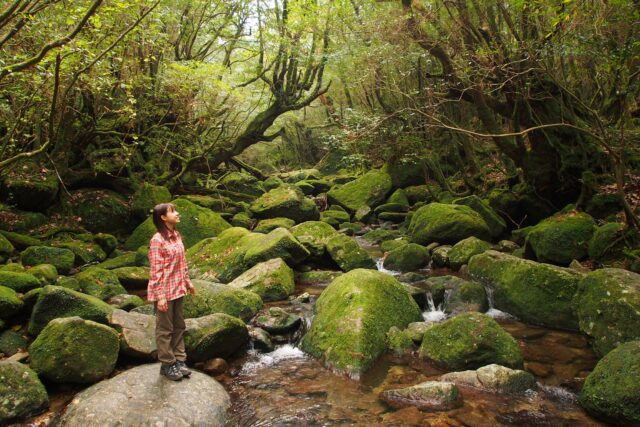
[(612, 390), (534, 292), (126, 302), (142, 256), (100, 283), (602, 205), (99, 210), (437, 222), (240, 182), (396, 217), (422, 193), (221, 258), (68, 282), (399, 341), (466, 296), (18, 221), (107, 242), (10, 304), (390, 208), (125, 260), (288, 202), (133, 277), (608, 308), (46, 273), (216, 335), (270, 224), (353, 315), (389, 245), (74, 350), (146, 197), (408, 257), (272, 280), (462, 251), (381, 235), (347, 254), (20, 241), (279, 243), (62, 259), (55, 302), (609, 242), (316, 277), (21, 393), (19, 282), (30, 186), (562, 237), (196, 223), (11, 342), (470, 340), (440, 256), (6, 248), (242, 219), (371, 189), (85, 253), (216, 298), (399, 197), (314, 236), (496, 224), (334, 218)]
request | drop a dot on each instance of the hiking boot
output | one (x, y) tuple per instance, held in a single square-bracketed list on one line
[(171, 371), (182, 367)]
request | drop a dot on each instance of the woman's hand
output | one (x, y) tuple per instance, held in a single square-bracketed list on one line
[(191, 289), (162, 305)]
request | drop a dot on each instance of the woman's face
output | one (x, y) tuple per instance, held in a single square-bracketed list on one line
[(172, 217)]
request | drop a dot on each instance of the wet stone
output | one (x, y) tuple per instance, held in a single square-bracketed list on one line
[(278, 321), (428, 396)]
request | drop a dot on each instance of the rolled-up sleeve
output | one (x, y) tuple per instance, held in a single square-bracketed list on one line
[(156, 287)]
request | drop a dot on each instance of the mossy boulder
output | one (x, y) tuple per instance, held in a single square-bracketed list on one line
[(389, 245), (133, 277), (272, 280), (608, 308), (46, 273), (220, 258), (127, 259), (21, 393), (10, 303), (390, 208), (353, 315), (19, 241), (99, 210), (422, 193), (447, 224), (56, 302), (465, 296), (462, 251), (108, 242), (74, 350), (147, 197), (19, 282), (409, 257), (603, 205), (496, 224), (334, 217), (12, 342), (126, 302), (279, 243), (287, 201), (470, 340), (6, 248), (85, 252), (612, 390), (371, 189), (63, 259), (562, 238), (314, 236), (20, 221), (399, 197), (213, 298), (278, 321), (30, 186), (68, 282), (270, 224), (243, 219), (348, 254), (196, 223), (100, 283), (215, 335), (239, 182), (316, 277), (534, 292), (381, 235), (609, 241)]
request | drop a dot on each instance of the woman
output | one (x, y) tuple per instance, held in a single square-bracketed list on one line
[(168, 283)]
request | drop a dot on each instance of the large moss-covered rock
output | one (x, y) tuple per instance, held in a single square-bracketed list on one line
[(353, 315), (85, 252), (46, 273), (314, 236), (99, 210), (287, 201), (270, 224), (334, 217), (470, 340), (399, 197), (562, 237), (462, 251), (127, 259), (20, 241), (608, 307), (371, 189), (279, 243), (147, 197), (55, 302), (381, 235), (612, 390), (443, 223), (463, 296), (213, 298), (100, 283), (62, 259), (196, 223), (215, 335), (220, 258), (74, 350), (348, 254), (12, 342), (240, 182), (20, 221), (609, 241), (534, 292), (496, 224), (30, 186), (19, 282), (10, 304), (6, 248), (272, 280), (21, 393), (133, 277), (409, 257)]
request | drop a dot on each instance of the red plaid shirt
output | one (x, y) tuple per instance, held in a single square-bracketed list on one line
[(169, 274)]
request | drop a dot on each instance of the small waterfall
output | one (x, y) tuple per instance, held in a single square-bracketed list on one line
[(494, 312), (380, 267), (433, 314), (264, 360)]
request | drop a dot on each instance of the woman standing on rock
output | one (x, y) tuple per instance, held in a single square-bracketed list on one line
[(168, 283)]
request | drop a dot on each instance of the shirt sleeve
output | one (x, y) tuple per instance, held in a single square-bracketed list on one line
[(186, 270), (156, 288)]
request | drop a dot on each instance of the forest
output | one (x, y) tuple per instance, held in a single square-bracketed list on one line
[(395, 212)]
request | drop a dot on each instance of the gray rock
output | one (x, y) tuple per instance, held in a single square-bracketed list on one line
[(278, 321), (140, 397), (494, 378), (416, 330), (427, 396), (440, 256), (21, 392), (261, 339), (137, 333), (215, 335)]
